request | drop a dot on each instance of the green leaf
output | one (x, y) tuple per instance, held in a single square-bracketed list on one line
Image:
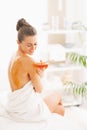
[(77, 89)]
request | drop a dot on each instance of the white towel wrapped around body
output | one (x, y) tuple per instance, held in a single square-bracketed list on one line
[(25, 104)]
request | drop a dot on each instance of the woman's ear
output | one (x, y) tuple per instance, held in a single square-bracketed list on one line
[(18, 42)]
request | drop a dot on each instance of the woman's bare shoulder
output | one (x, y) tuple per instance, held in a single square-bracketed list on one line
[(21, 60), (26, 60)]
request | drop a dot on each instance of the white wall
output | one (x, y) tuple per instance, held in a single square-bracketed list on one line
[(75, 10)]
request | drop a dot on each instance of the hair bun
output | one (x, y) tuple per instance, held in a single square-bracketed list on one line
[(21, 22)]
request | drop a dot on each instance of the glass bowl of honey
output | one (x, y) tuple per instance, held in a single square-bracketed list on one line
[(41, 64)]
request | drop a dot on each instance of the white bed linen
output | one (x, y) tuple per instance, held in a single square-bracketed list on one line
[(77, 115), (51, 122)]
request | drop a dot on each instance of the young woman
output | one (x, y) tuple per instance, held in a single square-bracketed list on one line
[(26, 102), (22, 71)]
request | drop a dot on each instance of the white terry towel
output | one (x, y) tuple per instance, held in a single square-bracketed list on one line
[(27, 105)]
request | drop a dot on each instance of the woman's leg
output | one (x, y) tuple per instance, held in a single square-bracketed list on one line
[(60, 110), (54, 102)]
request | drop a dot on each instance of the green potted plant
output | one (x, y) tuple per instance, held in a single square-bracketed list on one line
[(75, 88)]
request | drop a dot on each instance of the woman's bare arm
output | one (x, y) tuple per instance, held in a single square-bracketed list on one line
[(34, 76)]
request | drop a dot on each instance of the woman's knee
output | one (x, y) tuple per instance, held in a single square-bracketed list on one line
[(60, 110)]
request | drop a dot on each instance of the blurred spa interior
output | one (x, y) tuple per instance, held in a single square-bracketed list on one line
[(61, 26)]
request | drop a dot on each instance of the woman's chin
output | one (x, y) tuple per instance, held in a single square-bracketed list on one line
[(30, 53)]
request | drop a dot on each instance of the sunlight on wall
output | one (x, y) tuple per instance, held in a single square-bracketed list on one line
[(10, 12)]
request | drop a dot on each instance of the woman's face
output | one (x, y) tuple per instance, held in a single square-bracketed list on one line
[(28, 45)]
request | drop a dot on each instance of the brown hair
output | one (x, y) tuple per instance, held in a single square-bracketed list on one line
[(24, 29)]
